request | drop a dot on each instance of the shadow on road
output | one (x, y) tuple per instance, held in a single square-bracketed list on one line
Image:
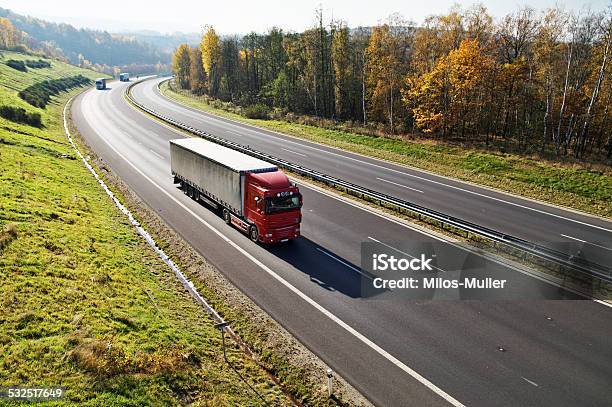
[(324, 268)]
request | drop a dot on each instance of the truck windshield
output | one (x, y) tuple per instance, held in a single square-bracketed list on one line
[(282, 203)]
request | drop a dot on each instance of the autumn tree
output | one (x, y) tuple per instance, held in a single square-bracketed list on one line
[(9, 35), (181, 65), (343, 80), (451, 97), (386, 57), (197, 76), (210, 47)]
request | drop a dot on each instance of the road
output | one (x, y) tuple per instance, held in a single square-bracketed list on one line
[(396, 352), (551, 226)]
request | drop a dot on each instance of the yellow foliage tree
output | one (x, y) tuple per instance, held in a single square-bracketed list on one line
[(385, 66), (452, 94), (9, 35), (181, 62), (211, 59), (197, 76)]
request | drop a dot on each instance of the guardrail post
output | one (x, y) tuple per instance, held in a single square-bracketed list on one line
[(221, 326)]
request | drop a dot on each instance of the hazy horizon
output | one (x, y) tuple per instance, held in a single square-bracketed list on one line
[(254, 17)]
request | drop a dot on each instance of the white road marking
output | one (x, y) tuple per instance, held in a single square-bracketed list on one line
[(284, 138), (157, 154), (399, 251), (399, 185), (436, 237), (343, 262), (296, 291), (141, 230), (530, 382), (403, 224), (294, 152), (587, 242), (369, 210)]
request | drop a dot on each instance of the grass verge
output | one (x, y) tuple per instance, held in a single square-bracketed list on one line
[(577, 186), (84, 303)]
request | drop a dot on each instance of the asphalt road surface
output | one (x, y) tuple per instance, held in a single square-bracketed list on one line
[(397, 352), (551, 226)]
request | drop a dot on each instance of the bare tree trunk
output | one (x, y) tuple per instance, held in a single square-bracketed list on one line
[(582, 139), (562, 109), (315, 93), (391, 109), (363, 89), (568, 134), (545, 132)]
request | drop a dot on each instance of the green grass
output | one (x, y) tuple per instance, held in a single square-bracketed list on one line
[(572, 185), (84, 303)]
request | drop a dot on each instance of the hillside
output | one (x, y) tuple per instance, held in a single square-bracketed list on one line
[(84, 303), (96, 47), (165, 42)]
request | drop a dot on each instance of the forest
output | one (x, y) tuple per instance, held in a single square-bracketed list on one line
[(90, 49), (530, 82)]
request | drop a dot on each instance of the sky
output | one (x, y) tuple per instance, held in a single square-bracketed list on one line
[(243, 16)]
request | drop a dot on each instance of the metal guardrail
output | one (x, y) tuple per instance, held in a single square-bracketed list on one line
[(574, 262)]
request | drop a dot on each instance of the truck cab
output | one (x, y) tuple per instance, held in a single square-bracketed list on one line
[(101, 83), (273, 204)]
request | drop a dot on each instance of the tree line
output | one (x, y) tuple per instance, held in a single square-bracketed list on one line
[(532, 81)]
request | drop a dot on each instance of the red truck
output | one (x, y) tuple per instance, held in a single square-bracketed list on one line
[(252, 194)]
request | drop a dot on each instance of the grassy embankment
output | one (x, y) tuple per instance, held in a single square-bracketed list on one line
[(571, 185), (84, 303)]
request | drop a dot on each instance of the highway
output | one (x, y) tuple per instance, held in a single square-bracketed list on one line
[(396, 352), (551, 226)]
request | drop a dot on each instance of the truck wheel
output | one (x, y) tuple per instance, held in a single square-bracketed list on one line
[(227, 217), (191, 191), (183, 186), (254, 234)]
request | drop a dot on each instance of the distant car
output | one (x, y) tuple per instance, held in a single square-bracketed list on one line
[(124, 77), (101, 83)]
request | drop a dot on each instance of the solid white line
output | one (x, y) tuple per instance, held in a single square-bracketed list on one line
[(296, 291), (399, 185), (399, 251), (157, 154), (294, 152), (343, 262), (141, 230), (284, 138), (530, 382), (586, 242)]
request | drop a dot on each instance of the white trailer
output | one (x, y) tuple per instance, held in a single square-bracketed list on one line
[(216, 172)]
